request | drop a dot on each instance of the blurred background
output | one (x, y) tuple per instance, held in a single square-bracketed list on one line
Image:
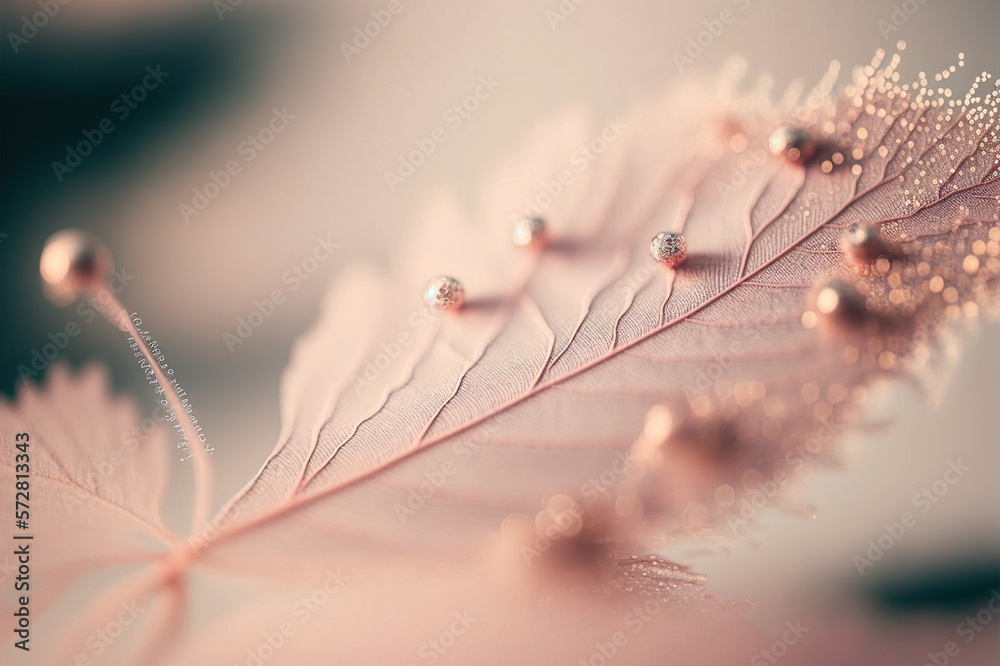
[(243, 132)]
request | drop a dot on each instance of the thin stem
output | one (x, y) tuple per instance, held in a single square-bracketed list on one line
[(115, 312)]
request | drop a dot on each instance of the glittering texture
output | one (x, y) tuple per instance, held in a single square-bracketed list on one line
[(444, 293), (656, 577), (668, 249)]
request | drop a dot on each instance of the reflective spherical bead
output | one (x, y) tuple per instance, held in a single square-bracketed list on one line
[(792, 143), (862, 244), (839, 304), (444, 293), (668, 249), (74, 262), (529, 231)]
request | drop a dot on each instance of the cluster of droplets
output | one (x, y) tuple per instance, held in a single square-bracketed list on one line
[(938, 113), (653, 576), (835, 139), (700, 459), (908, 287), (899, 290)]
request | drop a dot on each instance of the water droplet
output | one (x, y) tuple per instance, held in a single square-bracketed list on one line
[(74, 262), (792, 143), (862, 244), (529, 231), (839, 304)]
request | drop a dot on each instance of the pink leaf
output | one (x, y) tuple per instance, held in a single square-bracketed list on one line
[(585, 406)]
